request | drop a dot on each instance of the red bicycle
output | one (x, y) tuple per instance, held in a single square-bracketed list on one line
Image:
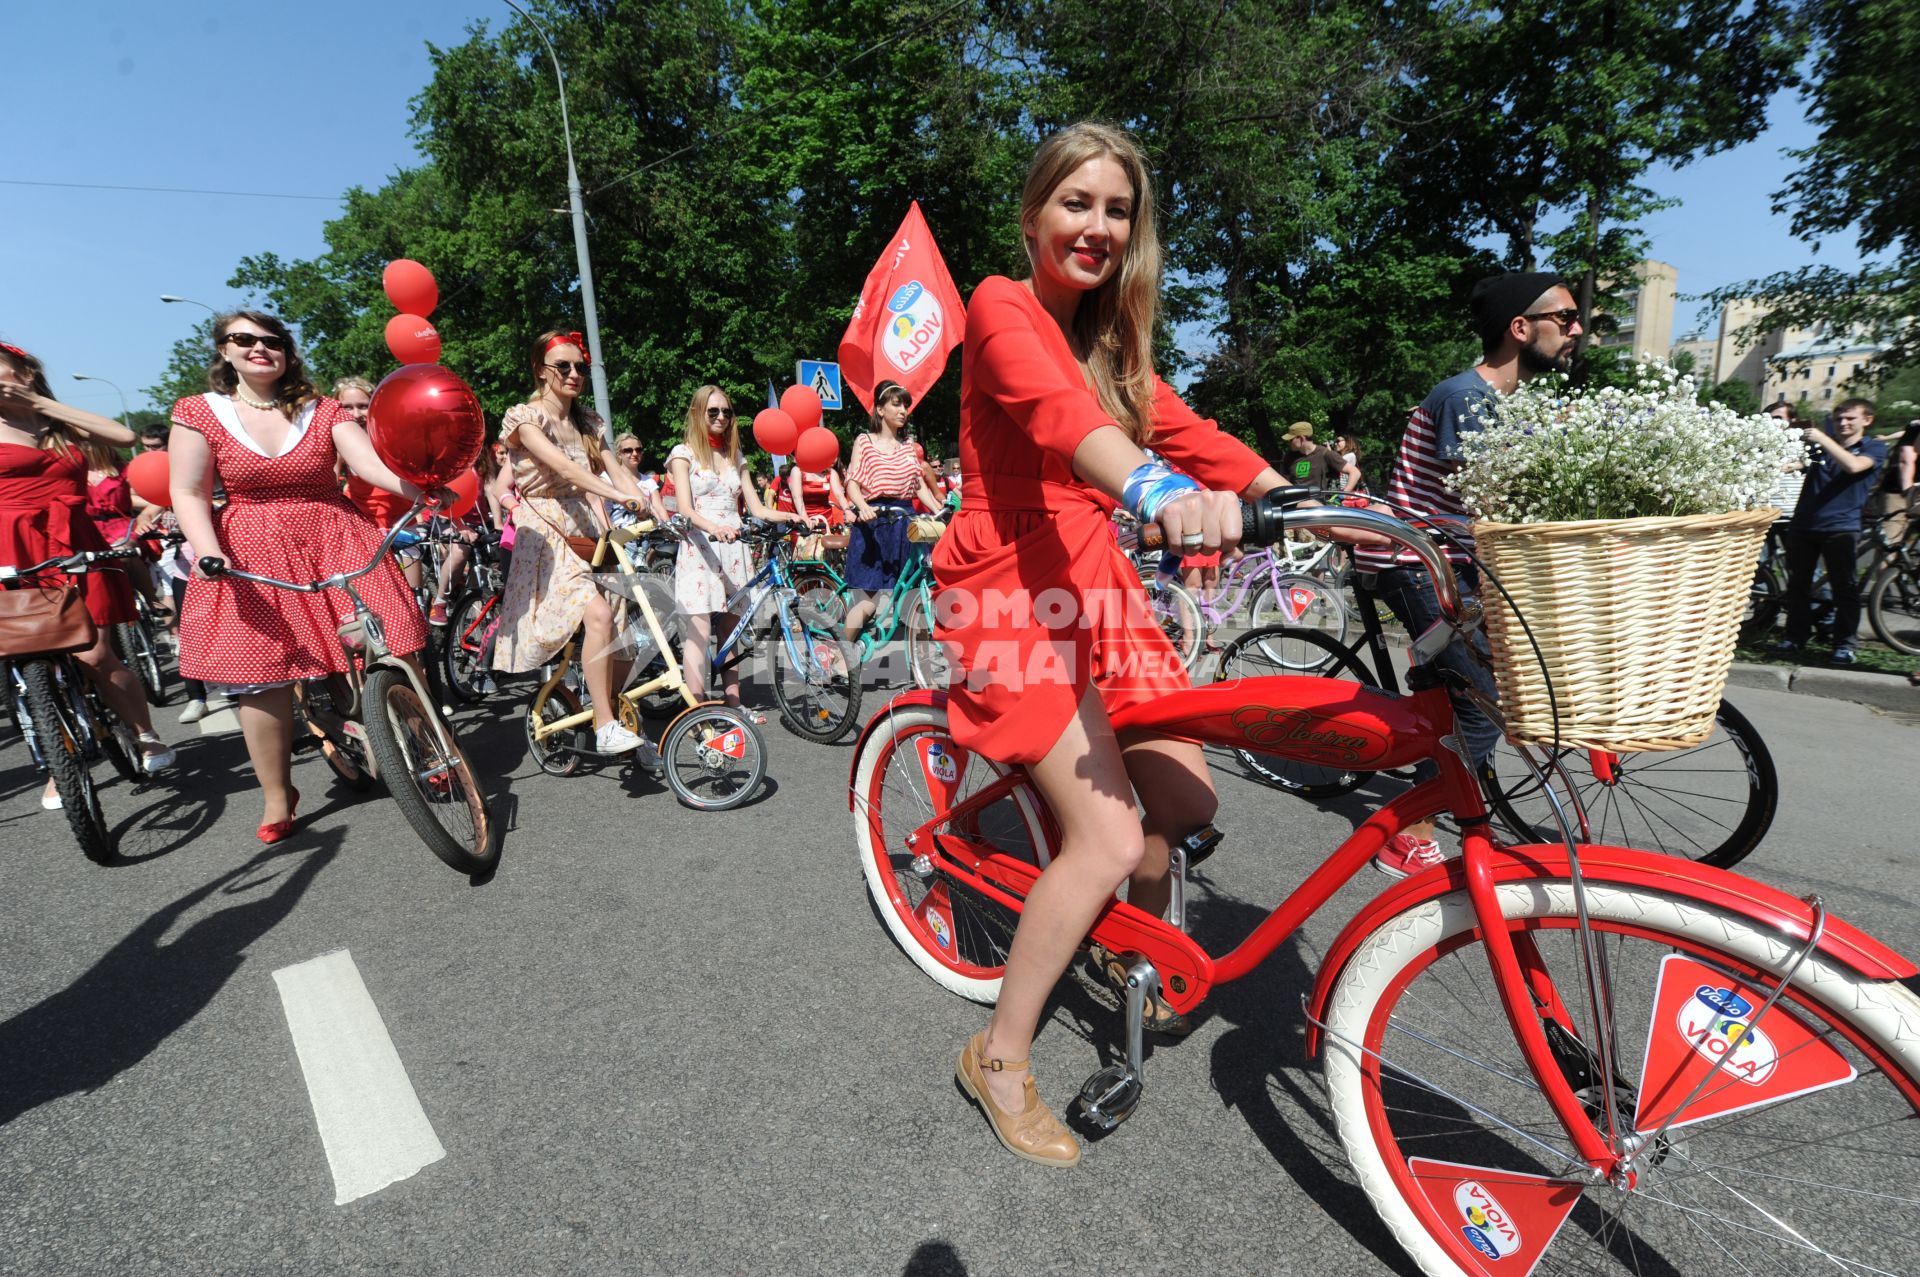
[(1554, 1057)]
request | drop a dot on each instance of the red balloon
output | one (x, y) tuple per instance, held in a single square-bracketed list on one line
[(413, 340), (801, 403), (775, 431), (410, 287), (426, 424), (466, 487), (818, 448), (147, 476)]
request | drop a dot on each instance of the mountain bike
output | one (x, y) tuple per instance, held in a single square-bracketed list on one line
[(1556, 1057), (712, 755), (380, 721), (1893, 600), (66, 722), (1712, 803)]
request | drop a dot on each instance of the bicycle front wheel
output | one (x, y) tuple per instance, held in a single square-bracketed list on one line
[(1277, 650), (910, 772), (467, 644), (926, 658), (1893, 607), (1712, 803), (715, 757), (63, 747), (1300, 603), (1178, 614), (432, 785), (1796, 1157), (816, 678)]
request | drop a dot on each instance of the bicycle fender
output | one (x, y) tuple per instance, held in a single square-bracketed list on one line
[(1841, 943), (915, 696)]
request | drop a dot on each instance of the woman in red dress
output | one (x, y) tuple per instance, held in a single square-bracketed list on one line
[(272, 441), (816, 494), (43, 499), (1057, 400)]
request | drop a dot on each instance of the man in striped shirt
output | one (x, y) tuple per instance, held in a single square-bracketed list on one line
[(1528, 325)]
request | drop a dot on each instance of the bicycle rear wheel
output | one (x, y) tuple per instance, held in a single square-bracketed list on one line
[(1178, 615), (1712, 803), (1300, 603), (1893, 607), (817, 590), (715, 757), (1280, 649), (1796, 1158), (62, 742), (926, 658), (432, 784), (134, 644), (909, 772), (467, 644)]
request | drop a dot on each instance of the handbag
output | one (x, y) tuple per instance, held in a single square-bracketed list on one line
[(583, 548), (37, 620)]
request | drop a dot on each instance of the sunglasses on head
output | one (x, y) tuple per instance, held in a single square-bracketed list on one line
[(567, 367), (246, 341), (719, 414)]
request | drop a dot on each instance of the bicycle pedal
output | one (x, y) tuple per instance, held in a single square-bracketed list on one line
[(1109, 1097)]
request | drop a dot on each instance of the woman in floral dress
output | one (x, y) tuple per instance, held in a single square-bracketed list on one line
[(554, 454), (711, 482)]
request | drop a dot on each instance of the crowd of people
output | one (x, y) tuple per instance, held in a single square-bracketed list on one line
[(1062, 419)]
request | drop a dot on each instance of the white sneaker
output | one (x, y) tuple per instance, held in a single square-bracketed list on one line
[(194, 712), (156, 760), (615, 739), (486, 686), (51, 802)]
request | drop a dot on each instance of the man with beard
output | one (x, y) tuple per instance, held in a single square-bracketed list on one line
[(1528, 325)]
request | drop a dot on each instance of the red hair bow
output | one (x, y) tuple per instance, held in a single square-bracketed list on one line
[(571, 339)]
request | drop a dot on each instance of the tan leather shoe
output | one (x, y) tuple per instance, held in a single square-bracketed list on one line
[(1033, 1133)]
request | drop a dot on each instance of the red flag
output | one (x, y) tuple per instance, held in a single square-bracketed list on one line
[(909, 317)]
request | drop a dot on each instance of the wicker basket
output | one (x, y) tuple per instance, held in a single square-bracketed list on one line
[(1636, 619), (925, 529)]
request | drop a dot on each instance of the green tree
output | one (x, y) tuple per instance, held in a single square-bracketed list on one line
[(1861, 177), (1735, 394), (186, 370)]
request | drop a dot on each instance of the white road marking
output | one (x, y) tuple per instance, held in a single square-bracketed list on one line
[(370, 1120)]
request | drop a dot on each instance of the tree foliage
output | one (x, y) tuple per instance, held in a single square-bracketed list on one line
[(1330, 174)]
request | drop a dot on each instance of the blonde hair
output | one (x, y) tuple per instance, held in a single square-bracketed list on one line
[(345, 384), (1114, 322), (100, 455), (697, 430)]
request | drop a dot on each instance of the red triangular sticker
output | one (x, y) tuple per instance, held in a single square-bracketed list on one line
[(1302, 599), (1505, 1218), (1701, 1014), (936, 916), (943, 763), (732, 743)]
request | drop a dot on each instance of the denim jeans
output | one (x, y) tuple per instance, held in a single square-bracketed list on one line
[(1408, 592)]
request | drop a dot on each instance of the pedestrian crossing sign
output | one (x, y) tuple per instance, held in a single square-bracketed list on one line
[(824, 378)]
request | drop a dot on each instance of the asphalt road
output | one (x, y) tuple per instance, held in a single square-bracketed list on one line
[(661, 1041)]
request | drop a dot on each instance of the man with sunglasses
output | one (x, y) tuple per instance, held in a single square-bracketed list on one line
[(1528, 326)]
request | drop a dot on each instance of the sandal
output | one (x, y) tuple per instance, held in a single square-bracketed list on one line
[(1034, 1132), (1156, 1014)]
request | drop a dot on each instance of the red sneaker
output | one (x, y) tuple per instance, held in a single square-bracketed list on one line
[(1406, 854)]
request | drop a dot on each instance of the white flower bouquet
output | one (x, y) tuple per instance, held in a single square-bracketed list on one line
[(1623, 525), (1544, 454)]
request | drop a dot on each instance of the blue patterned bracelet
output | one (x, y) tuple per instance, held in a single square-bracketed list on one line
[(1151, 485)]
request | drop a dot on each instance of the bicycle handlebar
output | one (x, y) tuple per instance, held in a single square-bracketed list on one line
[(77, 564)]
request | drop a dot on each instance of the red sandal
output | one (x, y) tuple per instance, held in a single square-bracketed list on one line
[(280, 830)]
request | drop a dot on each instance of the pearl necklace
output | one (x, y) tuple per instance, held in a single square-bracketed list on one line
[(251, 402)]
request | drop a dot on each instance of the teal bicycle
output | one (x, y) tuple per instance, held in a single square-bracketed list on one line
[(908, 613)]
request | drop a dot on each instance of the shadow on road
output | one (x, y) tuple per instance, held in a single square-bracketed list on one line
[(934, 1259), (142, 990)]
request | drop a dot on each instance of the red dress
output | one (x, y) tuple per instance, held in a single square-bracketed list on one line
[(1037, 600), (284, 518), (43, 501), (110, 506)]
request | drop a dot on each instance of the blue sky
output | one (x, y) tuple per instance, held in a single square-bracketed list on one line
[(308, 99)]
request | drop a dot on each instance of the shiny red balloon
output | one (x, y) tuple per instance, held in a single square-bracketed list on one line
[(775, 431), (413, 340), (466, 488), (147, 475), (410, 287), (801, 403), (426, 424), (818, 448)]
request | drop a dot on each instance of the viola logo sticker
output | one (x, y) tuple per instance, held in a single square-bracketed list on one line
[(1718, 1022), (942, 934), (913, 326), (940, 764), (733, 743), (1486, 1224)]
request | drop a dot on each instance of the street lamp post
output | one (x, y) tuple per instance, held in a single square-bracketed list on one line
[(124, 414), (169, 297), (596, 367)]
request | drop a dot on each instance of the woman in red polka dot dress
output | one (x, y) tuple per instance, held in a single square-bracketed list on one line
[(272, 441)]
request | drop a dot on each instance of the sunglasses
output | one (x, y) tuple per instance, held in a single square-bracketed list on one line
[(246, 341), (567, 367), (1564, 318), (719, 414), (629, 452)]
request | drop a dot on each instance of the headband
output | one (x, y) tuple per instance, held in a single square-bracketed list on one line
[(14, 350), (569, 339)]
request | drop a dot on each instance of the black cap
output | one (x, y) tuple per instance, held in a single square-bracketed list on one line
[(1498, 299)]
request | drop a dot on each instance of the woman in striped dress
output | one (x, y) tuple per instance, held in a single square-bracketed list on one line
[(884, 473)]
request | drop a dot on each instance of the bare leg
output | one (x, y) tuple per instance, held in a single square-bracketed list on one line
[(1171, 779), (1084, 780), (724, 624), (697, 633), (598, 662), (450, 569), (266, 721), (117, 684)]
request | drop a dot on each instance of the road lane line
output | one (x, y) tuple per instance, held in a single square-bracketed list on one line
[(370, 1120)]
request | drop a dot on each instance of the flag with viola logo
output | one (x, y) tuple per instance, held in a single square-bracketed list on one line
[(909, 318)]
